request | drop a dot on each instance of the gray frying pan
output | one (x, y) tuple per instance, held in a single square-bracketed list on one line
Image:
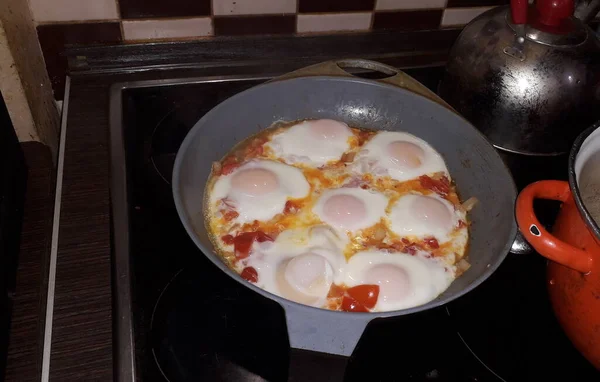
[(394, 103)]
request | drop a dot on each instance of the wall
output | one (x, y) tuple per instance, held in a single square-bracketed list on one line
[(23, 81), (63, 22)]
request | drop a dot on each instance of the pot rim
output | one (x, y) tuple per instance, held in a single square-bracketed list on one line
[(585, 214)]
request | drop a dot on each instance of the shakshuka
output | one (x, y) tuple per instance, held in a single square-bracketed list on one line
[(337, 217)]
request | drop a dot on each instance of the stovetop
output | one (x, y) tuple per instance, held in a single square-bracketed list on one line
[(181, 319)]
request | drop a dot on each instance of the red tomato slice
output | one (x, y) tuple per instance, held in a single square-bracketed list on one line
[(250, 274), (431, 242), (243, 242), (366, 295), (228, 239), (229, 164), (230, 215), (261, 237), (349, 304), (440, 186)]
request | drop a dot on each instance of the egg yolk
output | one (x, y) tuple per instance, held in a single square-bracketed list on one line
[(306, 278), (405, 154), (393, 281), (327, 128), (431, 212), (254, 182), (307, 272), (344, 210)]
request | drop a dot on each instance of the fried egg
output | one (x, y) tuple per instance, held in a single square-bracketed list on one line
[(312, 142), (301, 264), (259, 189), (401, 156), (405, 281), (424, 216), (350, 209)]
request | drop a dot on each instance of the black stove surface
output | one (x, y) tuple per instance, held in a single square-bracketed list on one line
[(192, 322)]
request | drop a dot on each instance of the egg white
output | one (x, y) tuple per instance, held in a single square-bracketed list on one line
[(373, 158), (292, 184), (403, 219), (269, 258), (427, 277), (298, 144)]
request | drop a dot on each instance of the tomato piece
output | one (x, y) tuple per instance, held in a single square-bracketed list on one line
[(229, 164), (230, 215), (431, 242), (243, 242), (261, 237), (365, 294), (291, 207), (227, 239), (440, 186), (250, 274), (410, 249), (461, 224), (335, 291), (349, 304), (363, 136)]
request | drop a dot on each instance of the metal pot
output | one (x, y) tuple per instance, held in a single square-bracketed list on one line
[(529, 79), (395, 103), (574, 244)]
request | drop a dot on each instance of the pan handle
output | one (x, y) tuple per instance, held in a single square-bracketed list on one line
[(322, 330), (337, 68)]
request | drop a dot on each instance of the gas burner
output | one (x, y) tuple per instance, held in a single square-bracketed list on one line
[(168, 135), (207, 327)]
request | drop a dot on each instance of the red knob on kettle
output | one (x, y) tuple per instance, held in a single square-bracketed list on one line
[(553, 12), (549, 12)]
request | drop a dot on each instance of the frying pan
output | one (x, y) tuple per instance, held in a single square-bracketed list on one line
[(395, 103)]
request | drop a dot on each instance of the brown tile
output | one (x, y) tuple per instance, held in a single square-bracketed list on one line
[(53, 39), (475, 3), (131, 9), (408, 20), (249, 25), (335, 5)]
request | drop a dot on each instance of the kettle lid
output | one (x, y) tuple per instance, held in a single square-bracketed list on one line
[(548, 22)]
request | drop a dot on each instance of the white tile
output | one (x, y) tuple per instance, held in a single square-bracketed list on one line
[(461, 16), (382, 5), (253, 7), (73, 10), (334, 22), (169, 28)]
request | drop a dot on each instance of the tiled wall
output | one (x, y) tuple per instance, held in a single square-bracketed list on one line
[(62, 22)]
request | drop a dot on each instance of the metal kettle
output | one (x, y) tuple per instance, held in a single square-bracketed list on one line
[(528, 75)]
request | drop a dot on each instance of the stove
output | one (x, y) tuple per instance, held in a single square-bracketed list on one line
[(179, 318)]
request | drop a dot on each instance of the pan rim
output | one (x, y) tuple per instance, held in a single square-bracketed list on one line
[(437, 302)]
